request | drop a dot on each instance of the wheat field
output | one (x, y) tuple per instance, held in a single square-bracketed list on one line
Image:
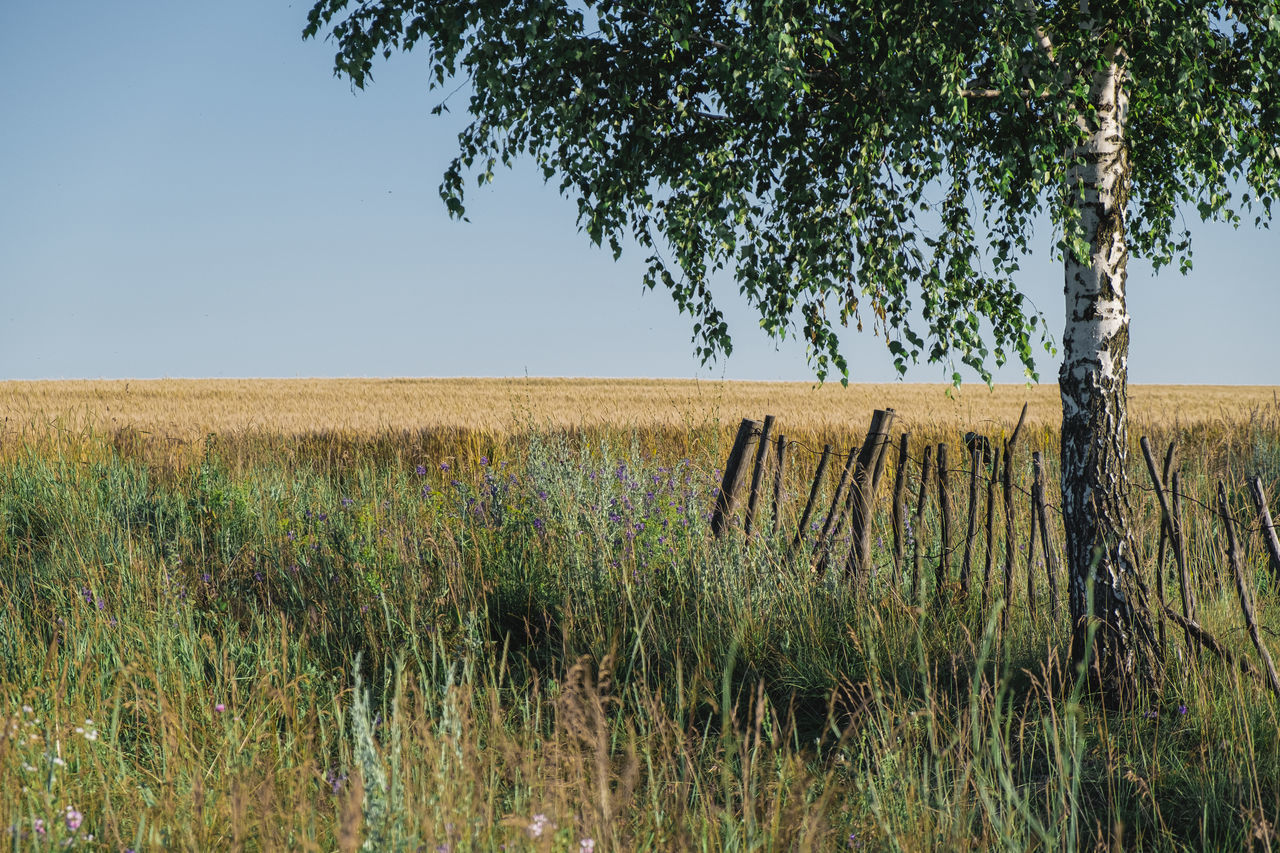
[(189, 409)]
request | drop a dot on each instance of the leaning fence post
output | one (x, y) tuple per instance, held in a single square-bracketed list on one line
[(778, 473), (1180, 550), (1050, 563), (731, 484), (1174, 532), (757, 476), (899, 505), (1009, 545), (866, 482), (925, 472), (1268, 526), (1233, 555), (1162, 547), (813, 497), (834, 515)]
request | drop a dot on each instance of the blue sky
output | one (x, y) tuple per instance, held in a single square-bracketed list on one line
[(186, 190)]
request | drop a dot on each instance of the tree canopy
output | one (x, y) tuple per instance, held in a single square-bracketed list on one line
[(847, 163)]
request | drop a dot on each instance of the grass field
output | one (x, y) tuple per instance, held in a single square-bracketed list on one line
[(486, 614)]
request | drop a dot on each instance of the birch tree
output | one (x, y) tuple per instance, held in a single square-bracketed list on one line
[(878, 166)]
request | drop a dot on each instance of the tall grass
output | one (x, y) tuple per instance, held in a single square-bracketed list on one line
[(433, 647)]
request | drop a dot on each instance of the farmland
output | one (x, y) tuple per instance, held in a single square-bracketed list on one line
[(460, 614)]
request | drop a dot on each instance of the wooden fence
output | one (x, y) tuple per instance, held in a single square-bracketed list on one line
[(764, 452)]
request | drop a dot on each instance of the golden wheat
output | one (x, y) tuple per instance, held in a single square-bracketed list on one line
[(188, 410)]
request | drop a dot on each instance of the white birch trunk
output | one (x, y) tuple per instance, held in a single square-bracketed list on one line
[(1093, 381)]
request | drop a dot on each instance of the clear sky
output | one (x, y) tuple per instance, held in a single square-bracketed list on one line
[(186, 190)]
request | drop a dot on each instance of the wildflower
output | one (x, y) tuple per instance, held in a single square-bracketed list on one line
[(206, 577), (220, 707), (1182, 710), (539, 825), (347, 502), (38, 826), (484, 461), (426, 492), (421, 470), (587, 845), (538, 525), (73, 819), (444, 466)]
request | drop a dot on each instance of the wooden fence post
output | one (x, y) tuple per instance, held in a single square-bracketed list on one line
[(1268, 526), (1173, 530), (1162, 547), (990, 529), (813, 497), (944, 512), (779, 471), (971, 529), (727, 501), (1180, 550), (1042, 513), (834, 515), (899, 505), (1009, 544), (757, 476), (1031, 550), (866, 482), (1233, 555), (925, 472)]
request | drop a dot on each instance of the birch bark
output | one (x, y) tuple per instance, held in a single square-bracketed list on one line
[(1093, 382)]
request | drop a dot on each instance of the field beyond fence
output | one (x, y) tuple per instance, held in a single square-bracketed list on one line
[(533, 615)]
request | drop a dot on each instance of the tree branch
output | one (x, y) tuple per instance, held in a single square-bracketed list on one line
[(1042, 37)]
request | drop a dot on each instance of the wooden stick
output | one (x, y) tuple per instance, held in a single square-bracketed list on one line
[(1204, 639), (1268, 526), (757, 476), (1164, 541), (899, 504), (1009, 545), (867, 474), (971, 529), (1173, 531), (1050, 562), (925, 471), (1031, 549), (990, 530), (779, 470), (944, 510), (813, 497), (731, 484), (1242, 587), (1180, 550), (835, 514)]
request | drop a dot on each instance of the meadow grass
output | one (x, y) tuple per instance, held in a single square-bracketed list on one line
[(388, 641)]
